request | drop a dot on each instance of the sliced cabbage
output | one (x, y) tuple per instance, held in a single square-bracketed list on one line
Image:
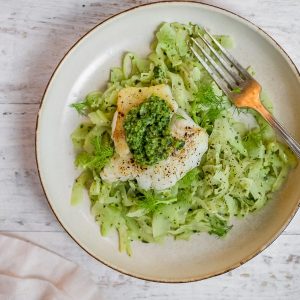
[(238, 174)]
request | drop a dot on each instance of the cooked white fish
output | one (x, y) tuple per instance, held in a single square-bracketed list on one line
[(127, 99), (167, 172)]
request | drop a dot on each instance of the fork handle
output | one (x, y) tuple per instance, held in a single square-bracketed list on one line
[(293, 144)]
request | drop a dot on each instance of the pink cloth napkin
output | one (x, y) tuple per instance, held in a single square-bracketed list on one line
[(28, 272)]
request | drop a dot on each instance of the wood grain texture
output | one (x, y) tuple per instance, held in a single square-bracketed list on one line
[(34, 35), (272, 275)]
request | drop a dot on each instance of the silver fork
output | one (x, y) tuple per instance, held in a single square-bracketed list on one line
[(239, 86)]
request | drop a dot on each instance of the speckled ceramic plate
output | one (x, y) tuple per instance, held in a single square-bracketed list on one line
[(86, 67)]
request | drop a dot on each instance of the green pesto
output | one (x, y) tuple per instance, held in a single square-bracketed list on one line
[(148, 132)]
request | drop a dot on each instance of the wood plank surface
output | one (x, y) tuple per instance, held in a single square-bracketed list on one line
[(34, 35)]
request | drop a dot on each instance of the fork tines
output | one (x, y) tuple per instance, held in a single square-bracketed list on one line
[(224, 69)]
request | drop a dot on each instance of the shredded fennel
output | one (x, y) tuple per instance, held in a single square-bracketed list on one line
[(238, 174)]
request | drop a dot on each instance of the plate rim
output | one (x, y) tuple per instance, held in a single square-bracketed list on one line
[(260, 31)]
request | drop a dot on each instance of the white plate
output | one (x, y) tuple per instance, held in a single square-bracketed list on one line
[(86, 68)]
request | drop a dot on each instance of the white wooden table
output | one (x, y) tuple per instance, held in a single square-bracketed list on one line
[(34, 35)]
